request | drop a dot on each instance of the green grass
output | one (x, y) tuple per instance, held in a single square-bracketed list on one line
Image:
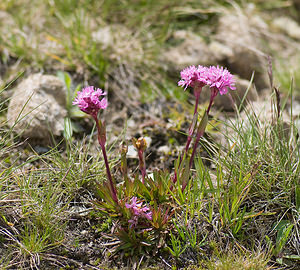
[(287, 72), (241, 209), (250, 200)]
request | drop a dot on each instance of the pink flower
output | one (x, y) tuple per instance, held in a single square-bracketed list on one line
[(193, 76), (220, 79), (133, 222), (138, 211), (89, 100)]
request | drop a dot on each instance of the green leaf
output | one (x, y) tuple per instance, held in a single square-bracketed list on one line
[(292, 257), (68, 131), (283, 229), (297, 197), (203, 123), (75, 112), (65, 77)]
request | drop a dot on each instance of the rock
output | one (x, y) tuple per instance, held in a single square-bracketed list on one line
[(225, 102), (132, 153), (38, 107), (238, 44), (220, 51), (192, 50), (289, 26), (241, 34), (164, 149), (103, 36), (121, 42), (84, 232)]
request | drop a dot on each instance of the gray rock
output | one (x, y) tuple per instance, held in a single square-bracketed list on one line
[(193, 50), (37, 107), (241, 34), (103, 36), (220, 51), (121, 42)]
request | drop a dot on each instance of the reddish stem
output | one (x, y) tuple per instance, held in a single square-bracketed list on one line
[(101, 141), (197, 92), (214, 93)]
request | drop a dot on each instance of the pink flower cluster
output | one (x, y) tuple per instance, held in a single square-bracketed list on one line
[(217, 78), (89, 100), (191, 76), (138, 211)]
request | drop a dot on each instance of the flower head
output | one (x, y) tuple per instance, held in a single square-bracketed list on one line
[(89, 100), (220, 79), (139, 211), (193, 76)]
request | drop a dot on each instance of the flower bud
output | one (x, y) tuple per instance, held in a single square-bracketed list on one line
[(140, 144)]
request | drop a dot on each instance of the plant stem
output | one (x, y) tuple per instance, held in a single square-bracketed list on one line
[(197, 92), (200, 132), (214, 93), (102, 140), (199, 135), (202, 125)]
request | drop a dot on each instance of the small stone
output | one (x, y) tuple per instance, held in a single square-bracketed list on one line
[(103, 36), (37, 107), (131, 123), (79, 211), (132, 153), (164, 149), (84, 232), (41, 149)]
